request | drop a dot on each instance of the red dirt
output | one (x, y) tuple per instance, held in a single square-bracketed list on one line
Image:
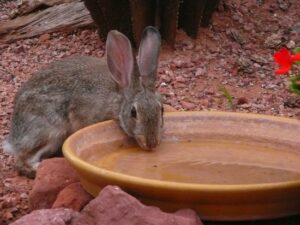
[(234, 53)]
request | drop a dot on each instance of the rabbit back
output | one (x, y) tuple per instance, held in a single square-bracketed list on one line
[(60, 99)]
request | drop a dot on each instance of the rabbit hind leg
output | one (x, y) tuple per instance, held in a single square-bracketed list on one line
[(28, 161)]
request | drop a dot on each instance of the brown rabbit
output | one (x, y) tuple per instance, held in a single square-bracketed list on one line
[(79, 91)]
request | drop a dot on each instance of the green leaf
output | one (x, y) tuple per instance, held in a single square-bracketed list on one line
[(297, 49), (228, 96), (294, 89), (293, 86)]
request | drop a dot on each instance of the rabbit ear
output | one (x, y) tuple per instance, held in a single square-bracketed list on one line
[(119, 57), (148, 56)]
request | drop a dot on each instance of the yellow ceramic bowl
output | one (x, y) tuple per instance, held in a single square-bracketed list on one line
[(226, 166)]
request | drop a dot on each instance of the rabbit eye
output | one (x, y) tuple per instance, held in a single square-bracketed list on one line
[(133, 112)]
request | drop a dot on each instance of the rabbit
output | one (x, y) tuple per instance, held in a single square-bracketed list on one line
[(81, 90)]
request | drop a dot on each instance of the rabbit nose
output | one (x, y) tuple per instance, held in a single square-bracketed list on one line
[(152, 143), (150, 146), (141, 140), (147, 143)]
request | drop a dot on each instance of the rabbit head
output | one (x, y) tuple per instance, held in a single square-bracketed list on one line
[(141, 111)]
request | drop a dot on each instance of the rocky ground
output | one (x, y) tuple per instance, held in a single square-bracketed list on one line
[(229, 67)]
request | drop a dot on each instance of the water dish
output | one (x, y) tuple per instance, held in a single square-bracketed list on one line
[(226, 166)]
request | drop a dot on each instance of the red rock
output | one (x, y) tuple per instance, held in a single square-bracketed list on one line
[(73, 196), (200, 72), (188, 105), (44, 37), (178, 63), (47, 217), (195, 58), (114, 206), (165, 78), (204, 103), (189, 45), (188, 213), (19, 49), (179, 85), (180, 79), (111, 207), (8, 216), (52, 176), (209, 91), (168, 108), (242, 101)]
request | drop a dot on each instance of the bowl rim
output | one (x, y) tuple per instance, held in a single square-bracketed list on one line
[(178, 186)]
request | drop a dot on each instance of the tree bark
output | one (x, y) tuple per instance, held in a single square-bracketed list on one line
[(65, 16)]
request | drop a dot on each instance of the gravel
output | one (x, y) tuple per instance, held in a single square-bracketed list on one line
[(234, 53)]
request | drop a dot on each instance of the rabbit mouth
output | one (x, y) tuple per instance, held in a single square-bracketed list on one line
[(141, 140)]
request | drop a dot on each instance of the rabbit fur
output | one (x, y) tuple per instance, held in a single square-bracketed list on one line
[(78, 91)]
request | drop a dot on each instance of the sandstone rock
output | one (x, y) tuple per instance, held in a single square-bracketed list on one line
[(188, 213), (283, 5), (47, 217), (236, 36), (165, 78), (114, 206), (188, 105), (188, 44), (168, 108), (52, 176), (296, 27), (274, 40), (200, 72), (8, 216), (44, 37), (195, 58), (242, 100), (178, 63), (291, 44), (73, 196), (245, 64), (178, 85), (180, 79)]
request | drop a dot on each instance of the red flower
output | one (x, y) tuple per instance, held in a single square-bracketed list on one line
[(296, 57), (285, 60)]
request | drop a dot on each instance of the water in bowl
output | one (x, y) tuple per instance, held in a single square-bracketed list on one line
[(204, 161)]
